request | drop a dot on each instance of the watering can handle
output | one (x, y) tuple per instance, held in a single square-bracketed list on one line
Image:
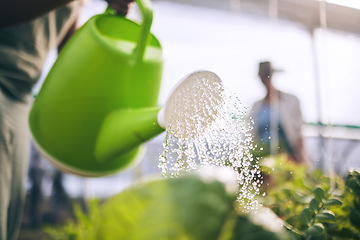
[(147, 15)]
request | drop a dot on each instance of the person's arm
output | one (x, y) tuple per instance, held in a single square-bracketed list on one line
[(300, 155), (18, 11), (14, 12)]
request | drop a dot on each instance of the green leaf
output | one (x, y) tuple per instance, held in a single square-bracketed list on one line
[(306, 216), (353, 182), (325, 217), (332, 227), (319, 194), (315, 230), (314, 205), (332, 202), (167, 209)]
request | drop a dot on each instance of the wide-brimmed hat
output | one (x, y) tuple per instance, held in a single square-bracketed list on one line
[(266, 69)]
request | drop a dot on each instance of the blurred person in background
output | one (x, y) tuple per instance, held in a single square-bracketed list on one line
[(29, 29), (277, 120)]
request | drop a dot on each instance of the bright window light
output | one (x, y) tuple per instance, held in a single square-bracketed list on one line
[(346, 3)]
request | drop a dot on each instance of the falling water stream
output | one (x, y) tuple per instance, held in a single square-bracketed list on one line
[(211, 130)]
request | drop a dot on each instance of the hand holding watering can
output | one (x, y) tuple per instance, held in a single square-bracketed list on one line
[(98, 103), (121, 7)]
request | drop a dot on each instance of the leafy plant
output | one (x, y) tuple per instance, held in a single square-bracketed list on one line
[(348, 216), (79, 228), (185, 208), (311, 204)]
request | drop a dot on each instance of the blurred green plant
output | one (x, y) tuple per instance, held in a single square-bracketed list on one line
[(309, 203), (312, 205), (185, 208)]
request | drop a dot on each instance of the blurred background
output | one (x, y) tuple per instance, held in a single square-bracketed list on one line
[(315, 43)]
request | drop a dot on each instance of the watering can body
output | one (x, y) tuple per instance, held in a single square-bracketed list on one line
[(98, 103)]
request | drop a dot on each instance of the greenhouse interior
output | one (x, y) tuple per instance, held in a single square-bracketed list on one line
[(313, 47)]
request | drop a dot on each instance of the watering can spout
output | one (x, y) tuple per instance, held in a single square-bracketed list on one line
[(123, 130)]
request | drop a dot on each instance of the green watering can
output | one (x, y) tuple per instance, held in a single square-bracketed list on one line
[(103, 85), (98, 104)]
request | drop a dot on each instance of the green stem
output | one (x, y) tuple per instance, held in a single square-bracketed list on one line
[(293, 229)]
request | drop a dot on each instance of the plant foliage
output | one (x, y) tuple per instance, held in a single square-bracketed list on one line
[(309, 203), (312, 205), (185, 208)]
